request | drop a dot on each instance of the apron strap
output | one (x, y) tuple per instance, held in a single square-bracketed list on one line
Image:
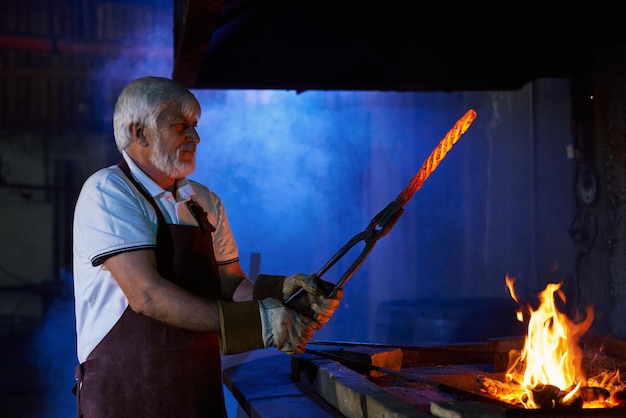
[(194, 207), (79, 373), (126, 169), (201, 216)]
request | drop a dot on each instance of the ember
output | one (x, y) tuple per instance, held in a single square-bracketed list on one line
[(548, 371)]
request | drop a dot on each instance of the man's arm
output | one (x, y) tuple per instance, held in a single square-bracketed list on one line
[(232, 272), (152, 295), (245, 325)]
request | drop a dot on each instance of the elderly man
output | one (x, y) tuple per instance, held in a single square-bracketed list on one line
[(160, 294)]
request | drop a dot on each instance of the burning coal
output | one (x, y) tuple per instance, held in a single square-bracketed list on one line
[(548, 372)]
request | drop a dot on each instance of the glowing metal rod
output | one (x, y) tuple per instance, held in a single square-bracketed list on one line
[(435, 157), (382, 223)]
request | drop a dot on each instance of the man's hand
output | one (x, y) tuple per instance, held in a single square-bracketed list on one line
[(293, 283), (269, 323), (314, 301), (284, 328)]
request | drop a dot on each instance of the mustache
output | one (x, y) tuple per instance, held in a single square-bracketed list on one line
[(188, 146)]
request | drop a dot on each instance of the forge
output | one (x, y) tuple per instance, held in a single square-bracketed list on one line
[(428, 381), (556, 369)]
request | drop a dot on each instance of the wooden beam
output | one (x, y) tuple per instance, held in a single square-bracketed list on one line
[(194, 24)]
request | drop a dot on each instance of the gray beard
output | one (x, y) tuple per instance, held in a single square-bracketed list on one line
[(169, 164)]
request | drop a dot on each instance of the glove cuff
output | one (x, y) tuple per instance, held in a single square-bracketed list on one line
[(266, 308), (268, 286), (240, 326)]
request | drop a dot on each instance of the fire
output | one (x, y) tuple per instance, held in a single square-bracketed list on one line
[(551, 353), (548, 371)]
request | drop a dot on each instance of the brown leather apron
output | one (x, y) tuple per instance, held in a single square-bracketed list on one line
[(146, 368)]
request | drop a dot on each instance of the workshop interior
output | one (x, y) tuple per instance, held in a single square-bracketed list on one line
[(332, 132)]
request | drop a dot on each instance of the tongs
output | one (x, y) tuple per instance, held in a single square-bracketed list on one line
[(382, 223), (378, 227)]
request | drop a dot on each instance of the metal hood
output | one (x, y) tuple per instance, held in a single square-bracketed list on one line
[(391, 45)]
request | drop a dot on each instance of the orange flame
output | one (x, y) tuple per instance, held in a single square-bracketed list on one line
[(551, 354)]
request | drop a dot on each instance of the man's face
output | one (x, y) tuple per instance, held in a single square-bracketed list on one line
[(175, 143)]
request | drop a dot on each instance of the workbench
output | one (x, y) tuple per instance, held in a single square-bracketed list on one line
[(260, 382)]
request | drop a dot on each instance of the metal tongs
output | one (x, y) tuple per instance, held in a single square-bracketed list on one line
[(382, 223), (378, 227)]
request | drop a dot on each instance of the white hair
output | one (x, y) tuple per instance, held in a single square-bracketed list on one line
[(143, 100)]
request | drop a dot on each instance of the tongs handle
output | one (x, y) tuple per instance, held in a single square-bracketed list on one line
[(369, 244), (377, 228), (370, 238)]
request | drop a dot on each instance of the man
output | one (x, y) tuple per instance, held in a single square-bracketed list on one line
[(159, 290)]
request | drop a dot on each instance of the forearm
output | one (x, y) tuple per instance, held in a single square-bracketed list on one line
[(234, 283), (243, 291), (175, 306), (152, 295)]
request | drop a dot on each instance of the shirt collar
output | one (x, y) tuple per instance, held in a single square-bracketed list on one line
[(183, 187)]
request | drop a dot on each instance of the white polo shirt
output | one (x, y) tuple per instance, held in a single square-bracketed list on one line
[(111, 216)]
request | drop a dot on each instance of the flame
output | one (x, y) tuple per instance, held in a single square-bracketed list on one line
[(551, 355), (548, 372)]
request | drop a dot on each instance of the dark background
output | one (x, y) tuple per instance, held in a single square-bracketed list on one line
[(315, 117)]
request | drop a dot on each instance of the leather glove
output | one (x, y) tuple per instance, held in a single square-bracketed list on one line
[(284, 328), (314, 301), (268, 323)]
